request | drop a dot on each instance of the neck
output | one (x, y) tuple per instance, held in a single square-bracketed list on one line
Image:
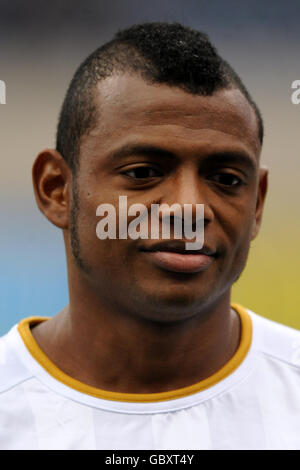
[(111, 350)]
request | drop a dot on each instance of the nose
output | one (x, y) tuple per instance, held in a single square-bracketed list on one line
[(186, 187)]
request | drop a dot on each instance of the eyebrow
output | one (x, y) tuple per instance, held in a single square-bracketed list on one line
[(221, 157), (140, 149), (227, 157)]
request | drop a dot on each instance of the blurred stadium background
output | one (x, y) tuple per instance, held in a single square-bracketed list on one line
[(41, 44)]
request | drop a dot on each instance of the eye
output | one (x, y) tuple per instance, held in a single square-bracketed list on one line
[(227, 179), (142, 172)]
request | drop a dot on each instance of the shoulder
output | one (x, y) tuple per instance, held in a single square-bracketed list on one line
[(277, 341), (12, 369)]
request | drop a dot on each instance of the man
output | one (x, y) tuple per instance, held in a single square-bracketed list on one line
[(150, 353)]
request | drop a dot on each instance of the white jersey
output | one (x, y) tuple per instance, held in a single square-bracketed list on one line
[(253, 402)]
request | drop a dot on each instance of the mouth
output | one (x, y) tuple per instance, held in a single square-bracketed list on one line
[(172, 256)]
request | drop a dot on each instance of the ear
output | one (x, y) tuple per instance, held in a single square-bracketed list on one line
[(52, 181), (261, 195)]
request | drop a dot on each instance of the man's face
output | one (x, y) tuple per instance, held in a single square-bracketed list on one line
[(157, 144)]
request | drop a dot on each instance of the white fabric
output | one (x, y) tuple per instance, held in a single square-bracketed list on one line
[(255, 407)]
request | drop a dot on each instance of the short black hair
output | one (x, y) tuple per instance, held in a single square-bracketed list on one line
[(167, 53)]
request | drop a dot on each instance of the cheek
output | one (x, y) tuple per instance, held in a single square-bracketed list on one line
[(238, 219), (239, 250), (237, 229), (111, 256)]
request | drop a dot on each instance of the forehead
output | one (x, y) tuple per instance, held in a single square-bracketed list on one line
[(132, 109)]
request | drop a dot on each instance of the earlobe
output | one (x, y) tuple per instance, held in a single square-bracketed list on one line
[(51, 182), (261, 196)]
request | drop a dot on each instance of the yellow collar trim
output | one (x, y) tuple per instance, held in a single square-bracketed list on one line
[(54, 371)]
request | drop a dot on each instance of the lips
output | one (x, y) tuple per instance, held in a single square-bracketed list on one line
[(172, 256)]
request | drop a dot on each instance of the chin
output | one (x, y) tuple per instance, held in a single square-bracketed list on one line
[(173, 304)]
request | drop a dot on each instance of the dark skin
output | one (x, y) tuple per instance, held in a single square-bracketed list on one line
[(132, 326)]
